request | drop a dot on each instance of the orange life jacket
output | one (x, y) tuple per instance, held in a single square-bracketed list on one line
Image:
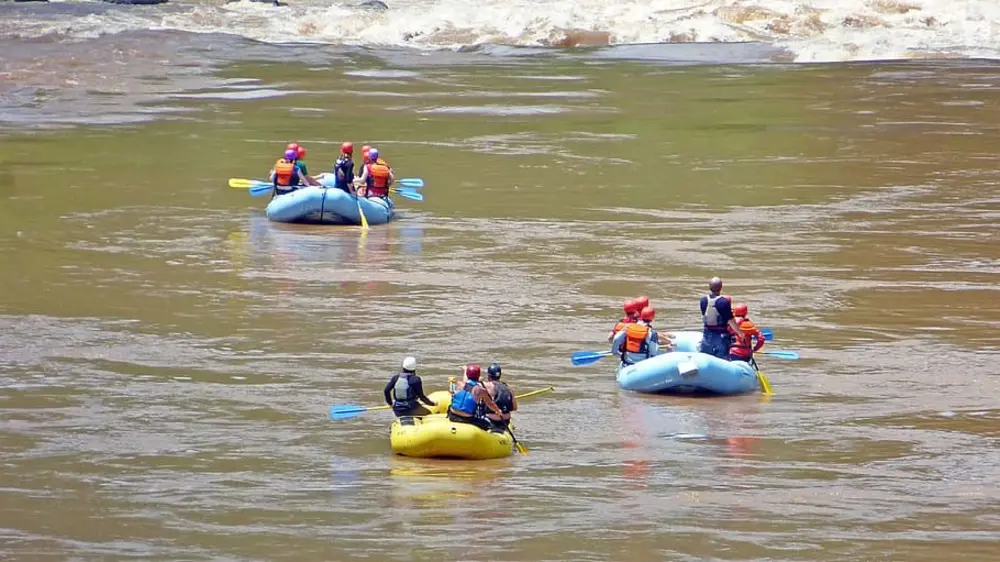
[(379, 175), (742, 341), (621, 324), (635, 338), (285, 173)]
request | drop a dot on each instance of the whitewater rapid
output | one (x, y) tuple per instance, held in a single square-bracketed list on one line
[(809, 30)]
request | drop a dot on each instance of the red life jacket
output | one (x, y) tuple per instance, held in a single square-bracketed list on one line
[(743, 347)]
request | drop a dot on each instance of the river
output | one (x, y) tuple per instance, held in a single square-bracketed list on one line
[(168, 356)]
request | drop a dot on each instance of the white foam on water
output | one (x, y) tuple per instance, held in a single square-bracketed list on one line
[(382, 73), (241, 94), (812, 30)]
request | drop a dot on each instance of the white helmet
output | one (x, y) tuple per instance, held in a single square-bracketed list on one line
[(410, 364)]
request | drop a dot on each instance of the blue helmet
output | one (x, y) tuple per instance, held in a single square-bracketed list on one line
[(373, 155), (494, 371)]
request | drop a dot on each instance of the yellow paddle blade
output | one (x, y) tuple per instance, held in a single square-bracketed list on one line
[(521, 448), (765, 385), (240, 183)]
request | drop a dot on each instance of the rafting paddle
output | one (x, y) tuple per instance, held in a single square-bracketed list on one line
[(588, 357), (765, 385), (517, 444), (260, 188), (407, 193), (364, 220), (781, 354), (347, 411), (350, 410), (535, 392), (413, 183)]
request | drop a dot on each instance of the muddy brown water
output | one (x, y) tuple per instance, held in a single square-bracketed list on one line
[(168, 356)]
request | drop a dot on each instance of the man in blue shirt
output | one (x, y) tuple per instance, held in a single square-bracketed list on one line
[(717, 317)]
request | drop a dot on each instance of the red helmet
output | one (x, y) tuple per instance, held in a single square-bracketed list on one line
[(347, 148), (647, 314), (740, 309), (630, 307), (301, 152), (292, 146), (472, 372), (643, 302)]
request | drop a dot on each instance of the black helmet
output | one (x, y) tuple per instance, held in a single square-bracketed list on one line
[(494, 371)]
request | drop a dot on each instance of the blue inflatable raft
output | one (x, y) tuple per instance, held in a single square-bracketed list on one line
[(324, 205), (687, 371)]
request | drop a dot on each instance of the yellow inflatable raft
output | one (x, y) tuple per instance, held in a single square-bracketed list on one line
[(436, 436)]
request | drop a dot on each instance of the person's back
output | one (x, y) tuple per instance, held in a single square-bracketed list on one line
[(637, 341), (405, 389), (286, 175), (748, 339), (502, 396), (717, 320), (343, 169), (378, 175), (466, 403)]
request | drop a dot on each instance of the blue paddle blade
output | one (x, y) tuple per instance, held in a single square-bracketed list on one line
[(407, 194), (588, 357), (346, 411), (768, 334), (782, 354), (260, 189), (415, 183)]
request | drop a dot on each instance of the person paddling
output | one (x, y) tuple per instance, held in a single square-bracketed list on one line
[(467, 404), (717, 319), (376, 176), (404, 389), (637, 341), (286, 176), (748, 339), (502, 396)]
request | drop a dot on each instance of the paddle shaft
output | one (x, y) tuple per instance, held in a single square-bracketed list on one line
[(781, 354), (347, 411), (535, 392), (261, 189), (364, 219)]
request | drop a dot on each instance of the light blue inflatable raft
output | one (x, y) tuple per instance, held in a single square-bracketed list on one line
[(687, 371), (328, 206)]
